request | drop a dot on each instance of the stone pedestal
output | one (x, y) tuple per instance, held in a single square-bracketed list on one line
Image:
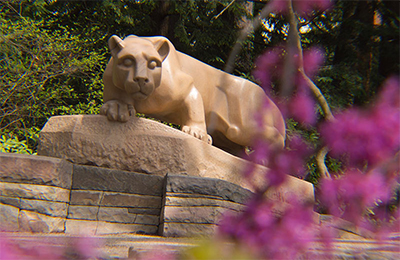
[(99, 201), (102, 177), (146, 146)]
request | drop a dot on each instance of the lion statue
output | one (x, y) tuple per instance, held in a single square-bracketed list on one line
[(149, 76)]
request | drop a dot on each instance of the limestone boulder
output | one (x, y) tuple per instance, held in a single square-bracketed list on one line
[(146, 146)]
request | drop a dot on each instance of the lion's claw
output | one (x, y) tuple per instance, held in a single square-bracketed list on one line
[(117, 111), (197, 133)]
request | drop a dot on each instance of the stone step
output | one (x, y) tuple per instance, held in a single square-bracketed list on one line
[(129, 246)]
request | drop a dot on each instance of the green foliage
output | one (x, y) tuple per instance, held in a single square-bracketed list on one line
[(360, 52), (51, 61), (311, 136), (13, 145), (53, 53), (44, 73)]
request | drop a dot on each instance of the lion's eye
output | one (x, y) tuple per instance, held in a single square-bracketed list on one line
[(152, 64), (127, 62)]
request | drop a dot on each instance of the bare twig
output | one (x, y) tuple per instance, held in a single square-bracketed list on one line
[(226, 8), (320, 158), (294, 43), (12, 8), (15, 84), (250, 27)]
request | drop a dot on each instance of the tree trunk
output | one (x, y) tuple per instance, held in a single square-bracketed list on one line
[(389, 44)]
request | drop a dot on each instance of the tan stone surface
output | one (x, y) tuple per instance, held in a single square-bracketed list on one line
[(36, 222), (199, 215), (187, 229), (52, 208), (147, 146), (34, 191), (83, 212), (74, 226), (33, 169), (117, 199), (130, 200), (122, 215), (205, 202), (115, 228), (86, 197), (8, 217)]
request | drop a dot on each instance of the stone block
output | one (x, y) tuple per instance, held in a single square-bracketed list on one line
[(8, 217), (83, 212), (207, 186), (122, 215), (93, 140), (172, 199), (187, 230), (145, 211), (104, 228), (130, 200), (198, 215), (103, 179), (84, 227), (51, 208), (86, 197), (34, 191), (33, 169), (36, 222), (87, 227)]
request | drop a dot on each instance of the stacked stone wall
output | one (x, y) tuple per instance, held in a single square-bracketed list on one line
[(48, 195)]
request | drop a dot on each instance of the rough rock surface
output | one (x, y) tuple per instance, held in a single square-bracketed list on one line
[(193, 206), (146, 146), (22, 168), (109, 201)]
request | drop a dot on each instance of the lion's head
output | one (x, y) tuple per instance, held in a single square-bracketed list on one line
[(137, 64)]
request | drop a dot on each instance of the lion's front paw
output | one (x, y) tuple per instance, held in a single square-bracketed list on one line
[(117, 111), (198, 133)]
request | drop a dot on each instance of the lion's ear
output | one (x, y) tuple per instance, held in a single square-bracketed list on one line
[(162, 47), (115, 44)]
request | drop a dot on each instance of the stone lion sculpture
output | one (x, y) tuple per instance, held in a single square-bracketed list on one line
[(148, 75)]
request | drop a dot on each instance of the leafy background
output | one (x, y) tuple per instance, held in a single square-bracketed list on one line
[(53, 53)]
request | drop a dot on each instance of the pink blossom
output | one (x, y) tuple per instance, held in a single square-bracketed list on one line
[(313, 60), (269, 70), (158, 254), (301, 108), (74, 248), (306, 6), (280, 162), (300, 6), (389, 97), (10, 249), (86, 247), (268, 235), (366, 136), (349, 196), (268, 67)]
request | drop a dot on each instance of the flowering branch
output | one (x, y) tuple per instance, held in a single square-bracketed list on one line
[(294, 42)]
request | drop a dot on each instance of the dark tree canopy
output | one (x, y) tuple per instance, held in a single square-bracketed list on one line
[(53, 53)]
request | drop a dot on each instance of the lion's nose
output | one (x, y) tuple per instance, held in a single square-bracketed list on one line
[(141, 80), (141, 75)]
